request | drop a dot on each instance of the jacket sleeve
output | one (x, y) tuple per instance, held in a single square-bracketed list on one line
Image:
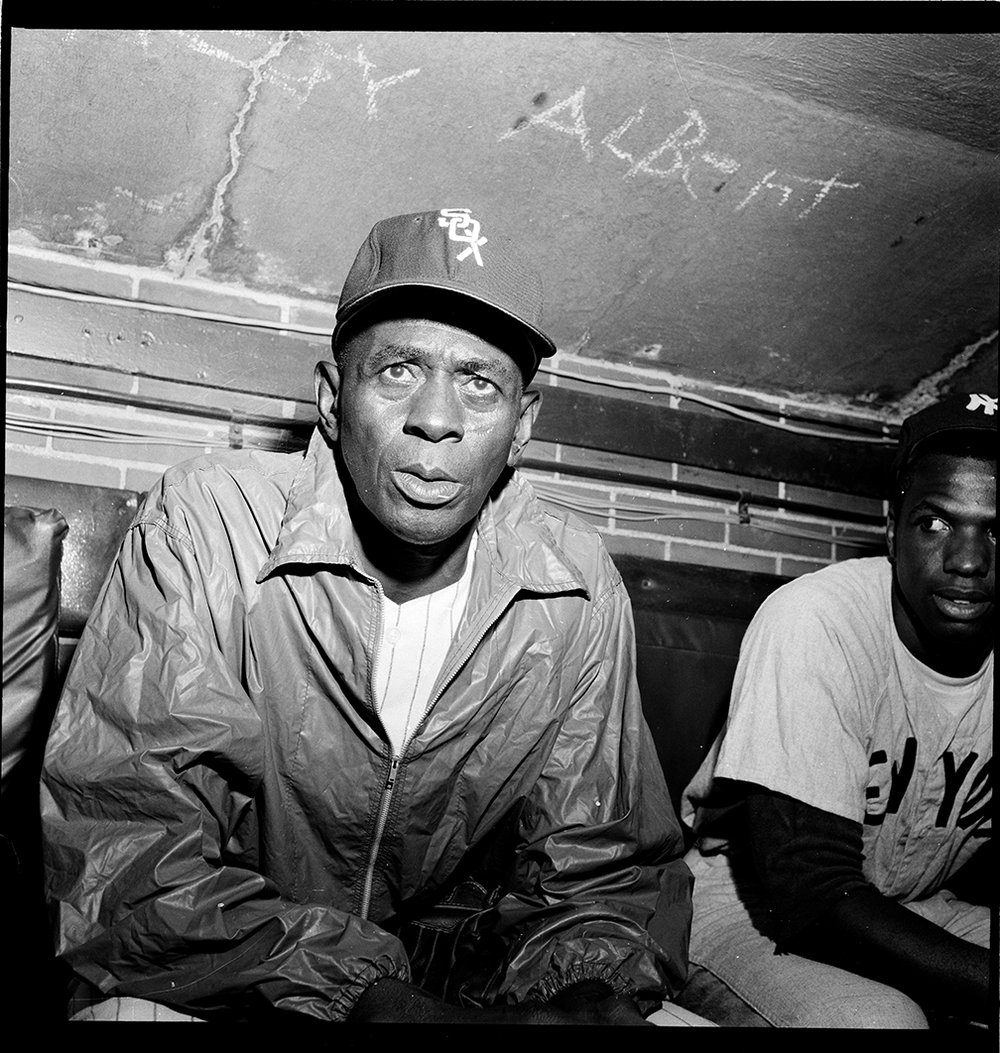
[(149, 824), (600, 889)]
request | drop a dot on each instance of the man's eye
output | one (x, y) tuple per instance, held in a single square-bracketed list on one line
[(932, 524), (396, 372), (480, 386)]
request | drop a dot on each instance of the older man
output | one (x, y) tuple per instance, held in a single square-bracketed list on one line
[(852, 884), (355, 734)]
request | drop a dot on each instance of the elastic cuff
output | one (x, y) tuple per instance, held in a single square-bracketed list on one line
[(351, 991), (549, 986)]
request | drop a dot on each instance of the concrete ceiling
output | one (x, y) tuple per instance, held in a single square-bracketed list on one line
[(805, 214)]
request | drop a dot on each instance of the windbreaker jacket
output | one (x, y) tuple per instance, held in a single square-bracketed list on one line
[(225, 825)]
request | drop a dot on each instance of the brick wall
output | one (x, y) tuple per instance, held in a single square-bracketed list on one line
[(77, 411)]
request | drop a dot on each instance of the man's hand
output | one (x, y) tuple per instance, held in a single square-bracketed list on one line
[(589, 1002)]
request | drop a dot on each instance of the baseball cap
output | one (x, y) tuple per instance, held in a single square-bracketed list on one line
[(449, 250), (967, 412)]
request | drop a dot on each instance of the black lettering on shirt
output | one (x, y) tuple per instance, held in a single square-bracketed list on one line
[(953, 779), (900, 779), (978, 801)]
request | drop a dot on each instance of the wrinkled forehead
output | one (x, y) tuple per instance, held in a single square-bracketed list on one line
[(480, 324), (434, 345)]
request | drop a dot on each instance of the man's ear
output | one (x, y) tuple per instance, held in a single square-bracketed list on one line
[(890, 533), (327, 377), (531, 402)]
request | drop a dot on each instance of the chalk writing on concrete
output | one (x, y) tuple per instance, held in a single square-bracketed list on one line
[(764, 183), (611, 139), (200, 46), (676, 156), (575, 123), (724, 164), (301, 87), (372, 86), (680, 145), (825, 186), (291, 85), (679, 155)]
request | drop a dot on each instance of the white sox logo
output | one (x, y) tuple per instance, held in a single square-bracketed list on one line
[(463, 228), (987, 403)]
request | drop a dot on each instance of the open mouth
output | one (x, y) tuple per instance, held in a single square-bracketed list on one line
[(429, 492)]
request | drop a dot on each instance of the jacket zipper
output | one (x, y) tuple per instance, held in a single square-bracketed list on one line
[(386, 800), (383, 815), (390, 782)]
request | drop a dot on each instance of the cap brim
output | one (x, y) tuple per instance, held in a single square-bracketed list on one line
[(542, 345), (905, 455)]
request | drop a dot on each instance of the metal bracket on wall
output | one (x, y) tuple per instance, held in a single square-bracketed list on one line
[(236, 430)]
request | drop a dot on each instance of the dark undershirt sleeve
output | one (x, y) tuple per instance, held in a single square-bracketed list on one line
[(809, 865), (805, 858)]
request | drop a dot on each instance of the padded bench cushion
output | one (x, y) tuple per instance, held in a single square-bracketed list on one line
[(98, 517), (32, 548), (32, 551), (689, 623)]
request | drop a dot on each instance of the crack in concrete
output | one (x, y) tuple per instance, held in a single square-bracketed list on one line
[(207, 236), (930, 389)]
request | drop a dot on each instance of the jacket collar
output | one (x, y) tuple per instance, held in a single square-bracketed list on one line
[(514, 538)]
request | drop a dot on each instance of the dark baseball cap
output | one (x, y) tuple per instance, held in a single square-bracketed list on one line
[(453, 251), (968, 412)]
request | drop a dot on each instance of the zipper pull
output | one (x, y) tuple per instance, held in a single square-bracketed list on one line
[(391, 781)]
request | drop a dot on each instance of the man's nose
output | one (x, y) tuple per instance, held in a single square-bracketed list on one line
[(969, 552), (436, 411)]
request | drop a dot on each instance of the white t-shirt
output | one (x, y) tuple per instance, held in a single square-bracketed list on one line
[(829, 707), (415, 639)]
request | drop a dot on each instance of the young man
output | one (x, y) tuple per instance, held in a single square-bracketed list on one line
[(852, 883), (355, 734)]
